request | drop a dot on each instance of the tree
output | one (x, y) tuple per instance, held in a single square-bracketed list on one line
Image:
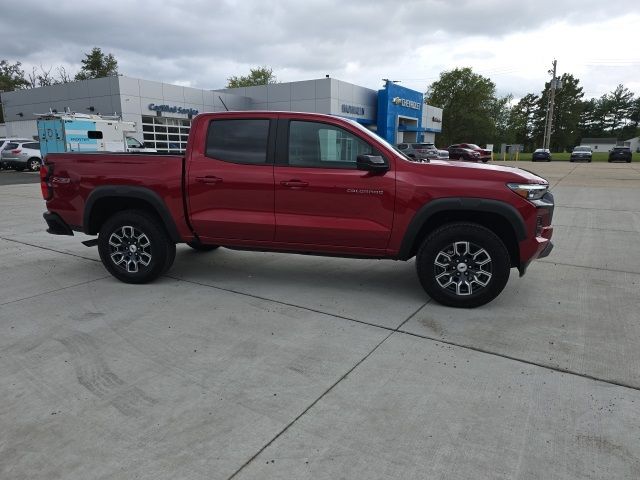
[(11, 78), (97, 65), (468, 101), (501, 113), (522, 121), (257, 76), (620, 105), (566, 114), (42, 79)]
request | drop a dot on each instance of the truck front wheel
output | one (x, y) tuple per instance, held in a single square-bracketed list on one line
[(463, 265), (134, 247)]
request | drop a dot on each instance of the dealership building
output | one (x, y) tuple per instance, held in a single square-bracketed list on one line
[(163, 112)]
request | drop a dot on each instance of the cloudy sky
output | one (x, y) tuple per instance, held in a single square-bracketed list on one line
[(202, 43)]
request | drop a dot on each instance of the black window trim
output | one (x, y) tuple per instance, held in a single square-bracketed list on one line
[(271, 139), (282, 144)]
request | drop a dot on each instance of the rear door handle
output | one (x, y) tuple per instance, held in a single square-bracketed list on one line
[(208, 179), (294, 183)]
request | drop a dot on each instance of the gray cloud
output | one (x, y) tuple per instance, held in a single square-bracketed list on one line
[(203, 43)]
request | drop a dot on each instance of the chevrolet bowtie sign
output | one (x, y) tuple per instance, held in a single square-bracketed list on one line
[(406, 103)]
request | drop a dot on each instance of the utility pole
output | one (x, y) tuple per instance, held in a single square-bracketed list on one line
[(548, 124)]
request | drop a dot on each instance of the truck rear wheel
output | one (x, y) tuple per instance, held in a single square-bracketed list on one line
[(134, 247), (463, 265)]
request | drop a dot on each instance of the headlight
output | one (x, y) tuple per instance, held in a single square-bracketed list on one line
[(528, 190)]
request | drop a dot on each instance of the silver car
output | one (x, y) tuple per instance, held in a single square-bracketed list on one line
[(419, 151), (21, 155)]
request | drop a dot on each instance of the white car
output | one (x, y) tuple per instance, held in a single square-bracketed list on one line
[(21, 155), (5, 141)]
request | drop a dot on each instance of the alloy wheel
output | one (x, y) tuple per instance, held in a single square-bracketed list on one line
[(130, 248), (463, 268)]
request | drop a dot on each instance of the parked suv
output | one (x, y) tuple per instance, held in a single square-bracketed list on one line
[(620, 154), (485, 155), (419, 151), (583, 153), (5, 141), (541, 154), (22, 155), (457, 152)]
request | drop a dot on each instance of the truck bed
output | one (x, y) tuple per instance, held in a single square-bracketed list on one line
[(78, 175)]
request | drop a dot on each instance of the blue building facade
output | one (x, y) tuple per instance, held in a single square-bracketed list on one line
[(402, 115)]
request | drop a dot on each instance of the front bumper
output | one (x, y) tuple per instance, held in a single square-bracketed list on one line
[(539, 246)]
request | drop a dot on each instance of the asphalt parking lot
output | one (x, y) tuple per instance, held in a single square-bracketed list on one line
[(262, 365)]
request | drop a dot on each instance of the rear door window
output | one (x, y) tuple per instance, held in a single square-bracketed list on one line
[(35, 146), (238, 140)]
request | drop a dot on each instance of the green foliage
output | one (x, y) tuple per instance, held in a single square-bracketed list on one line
[(97, 65), (469, 106), (566, 114), (11, 78), (615, 114), (522, 121), (257, 76)]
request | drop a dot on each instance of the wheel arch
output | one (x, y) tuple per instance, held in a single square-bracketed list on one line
[(106, 200), (499, 217)]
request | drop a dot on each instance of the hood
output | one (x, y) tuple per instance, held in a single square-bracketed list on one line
[(488, 171)]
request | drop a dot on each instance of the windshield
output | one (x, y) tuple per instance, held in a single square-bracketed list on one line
[(472, 145), (132, 142), (374, 136), (582, 149)]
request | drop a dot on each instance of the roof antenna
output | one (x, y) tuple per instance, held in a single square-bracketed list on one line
[(225, 106)]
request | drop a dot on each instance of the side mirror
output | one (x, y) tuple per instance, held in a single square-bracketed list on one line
[(371, 163)]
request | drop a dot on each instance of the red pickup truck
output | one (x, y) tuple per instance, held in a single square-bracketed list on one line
[(303, 183)]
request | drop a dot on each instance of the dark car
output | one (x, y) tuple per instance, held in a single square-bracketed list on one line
[(541, 155), (419, 151), (485, 155), (620, 154), (581, 153), (460, 153)]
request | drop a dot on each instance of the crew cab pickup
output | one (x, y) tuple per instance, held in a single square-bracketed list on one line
[(303, 183)]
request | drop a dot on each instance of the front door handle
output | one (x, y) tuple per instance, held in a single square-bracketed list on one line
[(208, 179), (294, 183)]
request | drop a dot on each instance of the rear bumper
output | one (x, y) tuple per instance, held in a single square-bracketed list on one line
[(57, 226), (14, 163)]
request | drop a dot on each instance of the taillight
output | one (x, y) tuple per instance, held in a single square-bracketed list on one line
[(45, 185), (16, 151)]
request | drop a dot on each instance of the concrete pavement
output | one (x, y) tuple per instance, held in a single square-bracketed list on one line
[(260, 365)]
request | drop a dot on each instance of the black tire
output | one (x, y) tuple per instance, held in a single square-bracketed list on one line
[(200, 247), (140, 238), (33, 164), (482, 245)]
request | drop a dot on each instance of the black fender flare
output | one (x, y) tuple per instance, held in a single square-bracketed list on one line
[(129, 191), (423, 215)]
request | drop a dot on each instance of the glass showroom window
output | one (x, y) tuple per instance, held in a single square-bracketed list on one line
[(167, 135)]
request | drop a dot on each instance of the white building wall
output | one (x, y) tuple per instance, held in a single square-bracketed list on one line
[(324, 95)]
